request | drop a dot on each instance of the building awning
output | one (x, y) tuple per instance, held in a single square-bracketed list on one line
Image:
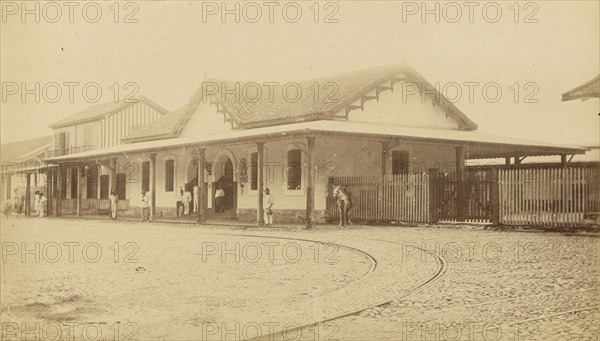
[(590, 89), (479, 145)]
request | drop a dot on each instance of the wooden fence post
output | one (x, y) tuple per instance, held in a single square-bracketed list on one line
[(28, 194), (494, 196), (461, 202), (200, 161), (310, 192), (260, 150), (434, 196), (59, 185)]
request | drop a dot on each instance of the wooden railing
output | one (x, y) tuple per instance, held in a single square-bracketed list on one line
[(69, 206), (95, 204), (548, 196), (535, 196), (69, 150)]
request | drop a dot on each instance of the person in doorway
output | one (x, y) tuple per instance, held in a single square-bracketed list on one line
[(42, 205), (219, 200), (196, 198), (145, 205), (187, 200), (268, 199), (114, 201), (36, 202), (179, 203)]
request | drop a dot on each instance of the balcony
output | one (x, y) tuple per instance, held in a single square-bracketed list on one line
[(70, 150)]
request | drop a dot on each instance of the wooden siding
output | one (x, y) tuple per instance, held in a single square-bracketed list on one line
[(118, 125), (105, 132)]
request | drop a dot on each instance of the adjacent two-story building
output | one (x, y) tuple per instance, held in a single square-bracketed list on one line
[(22, 169), (98, 127)]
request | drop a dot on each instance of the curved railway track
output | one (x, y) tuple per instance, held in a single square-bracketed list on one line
[(439, 273), (349, 248), (561, 313)]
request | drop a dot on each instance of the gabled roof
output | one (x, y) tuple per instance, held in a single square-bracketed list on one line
[(587, 90), (336, 94), (105, 109), (17, 151)]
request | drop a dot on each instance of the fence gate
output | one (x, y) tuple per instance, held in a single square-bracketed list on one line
[(476, 202)]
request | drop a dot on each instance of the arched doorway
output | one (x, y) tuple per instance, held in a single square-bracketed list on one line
[(192, 181), (224, 178)]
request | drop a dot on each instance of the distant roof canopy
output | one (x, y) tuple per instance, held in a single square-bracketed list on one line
[(261, 105), (105, 109), (22, 150), (587, 90)]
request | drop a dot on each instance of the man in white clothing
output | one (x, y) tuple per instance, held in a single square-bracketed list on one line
[(268, 201)]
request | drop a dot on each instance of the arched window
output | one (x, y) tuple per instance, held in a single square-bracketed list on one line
[(146, 176), (121, 186), (399, 162), (169, 175), (294, 169), (104, 186), (243, 170), (253, 171), (92, 174)]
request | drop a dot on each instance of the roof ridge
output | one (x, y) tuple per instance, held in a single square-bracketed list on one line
[(112, 107), (399, 67)]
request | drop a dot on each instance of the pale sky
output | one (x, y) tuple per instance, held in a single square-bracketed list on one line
[(168, 50)]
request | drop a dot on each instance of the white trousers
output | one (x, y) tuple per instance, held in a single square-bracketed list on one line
[(268, 218)]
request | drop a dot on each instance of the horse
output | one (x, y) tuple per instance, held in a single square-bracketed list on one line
[(344, 204), (6, 208), (12, 205)]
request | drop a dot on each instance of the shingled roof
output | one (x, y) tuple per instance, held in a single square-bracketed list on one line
[(336, 94), (587, 90), (105, 109)]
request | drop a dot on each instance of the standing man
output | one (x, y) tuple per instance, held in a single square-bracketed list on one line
[(179, 202), (268, 207), (219, 200), (114, 200), (42, 205), (196, 198), (187, 200), (145, 205)]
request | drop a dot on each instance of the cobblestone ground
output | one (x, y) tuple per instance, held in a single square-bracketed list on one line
[(86, 279)]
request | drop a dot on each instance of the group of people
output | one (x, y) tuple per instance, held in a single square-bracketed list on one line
[(39, 201), (267, 201), (144, 205), (184, 202), (184, 199)]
